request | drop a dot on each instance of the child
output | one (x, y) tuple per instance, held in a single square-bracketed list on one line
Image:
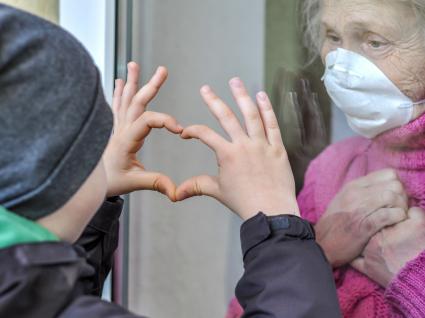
[(59, 162)]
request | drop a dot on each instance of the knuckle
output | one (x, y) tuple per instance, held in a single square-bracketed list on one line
[(256, 146), (377, 241), (196, 187), (273, 124), (349, 197), (280, 151), (225, 156), (252, 115), (156, 185), (351, 185), (369, 225), (150, 88), (149, 113), (383, 217), (201, 129), (243, 147), (226, 114), (421, 223), (388, 197), (391, 174), (398, 215), (350, 223), (397, 186)]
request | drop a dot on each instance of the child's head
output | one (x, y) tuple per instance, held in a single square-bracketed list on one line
[(54, 121)]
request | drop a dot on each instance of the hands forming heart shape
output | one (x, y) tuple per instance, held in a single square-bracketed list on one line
[(254, 171)]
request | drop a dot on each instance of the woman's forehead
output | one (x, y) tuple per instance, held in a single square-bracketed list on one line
[(378, 14)]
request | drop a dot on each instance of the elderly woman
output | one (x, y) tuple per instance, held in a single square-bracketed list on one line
[(366, 195)]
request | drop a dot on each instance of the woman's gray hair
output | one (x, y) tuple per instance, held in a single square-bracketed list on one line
[(311, 11), (311, 27)]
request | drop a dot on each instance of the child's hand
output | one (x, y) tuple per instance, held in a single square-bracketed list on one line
[(132, 124), (254, 171)]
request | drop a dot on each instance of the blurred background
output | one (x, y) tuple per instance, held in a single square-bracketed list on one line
[(183, 260)]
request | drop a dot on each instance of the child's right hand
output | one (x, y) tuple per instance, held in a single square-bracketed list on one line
[(254, 171), (132, 124)]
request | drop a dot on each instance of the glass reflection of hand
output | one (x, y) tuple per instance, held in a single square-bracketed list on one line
[(300, 113)]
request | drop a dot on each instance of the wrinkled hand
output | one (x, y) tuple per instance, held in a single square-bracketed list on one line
[(390, 249), (361, 209), (132, 124), (254, 172)]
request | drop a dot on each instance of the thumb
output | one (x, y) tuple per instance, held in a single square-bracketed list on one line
[(197, 186), (157, 182), (359, 264), (416, 213)]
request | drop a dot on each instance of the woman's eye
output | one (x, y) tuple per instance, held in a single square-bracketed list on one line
[(333, 38), (376, 44), (375, 41)]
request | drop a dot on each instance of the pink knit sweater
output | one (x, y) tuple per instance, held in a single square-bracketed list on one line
[(404, 150)]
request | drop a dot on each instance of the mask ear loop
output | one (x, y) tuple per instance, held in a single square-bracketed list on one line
[(421, 106), (420, 103)]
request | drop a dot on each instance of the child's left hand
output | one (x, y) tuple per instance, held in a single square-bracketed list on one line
[(132, 124)]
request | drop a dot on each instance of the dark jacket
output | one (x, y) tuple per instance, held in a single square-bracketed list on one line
[(286, 273)]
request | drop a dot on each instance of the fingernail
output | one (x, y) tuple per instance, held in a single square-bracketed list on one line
[(205, 89), (180, 127), (262, 96), (236, 82)]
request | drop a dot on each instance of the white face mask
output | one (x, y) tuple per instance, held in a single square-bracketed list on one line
[(368, 98)]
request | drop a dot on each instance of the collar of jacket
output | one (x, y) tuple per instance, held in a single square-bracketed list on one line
[(15, 229)]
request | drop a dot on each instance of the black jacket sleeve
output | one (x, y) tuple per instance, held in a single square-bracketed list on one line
[(286, 272), (100, 240)]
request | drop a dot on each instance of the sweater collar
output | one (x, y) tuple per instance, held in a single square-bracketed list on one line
[(404, 147)]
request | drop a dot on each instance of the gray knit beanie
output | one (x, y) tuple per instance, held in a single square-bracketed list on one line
[(54, 120)]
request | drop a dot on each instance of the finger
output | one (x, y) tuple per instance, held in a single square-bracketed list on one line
[(359, 265), (144, 124), (270, 122), (416, 213), (389, 199), (148, 92), (197, 186), (385, 199), (130, 88), (380, 176), (249, 109), (157, 182), (383, 218), (385, 188), (116, 100), (223, 113), (206, 135)]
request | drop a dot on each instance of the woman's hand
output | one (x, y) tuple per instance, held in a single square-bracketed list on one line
[(254, 172), (132, 124), (361, 209), (390, 249)]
